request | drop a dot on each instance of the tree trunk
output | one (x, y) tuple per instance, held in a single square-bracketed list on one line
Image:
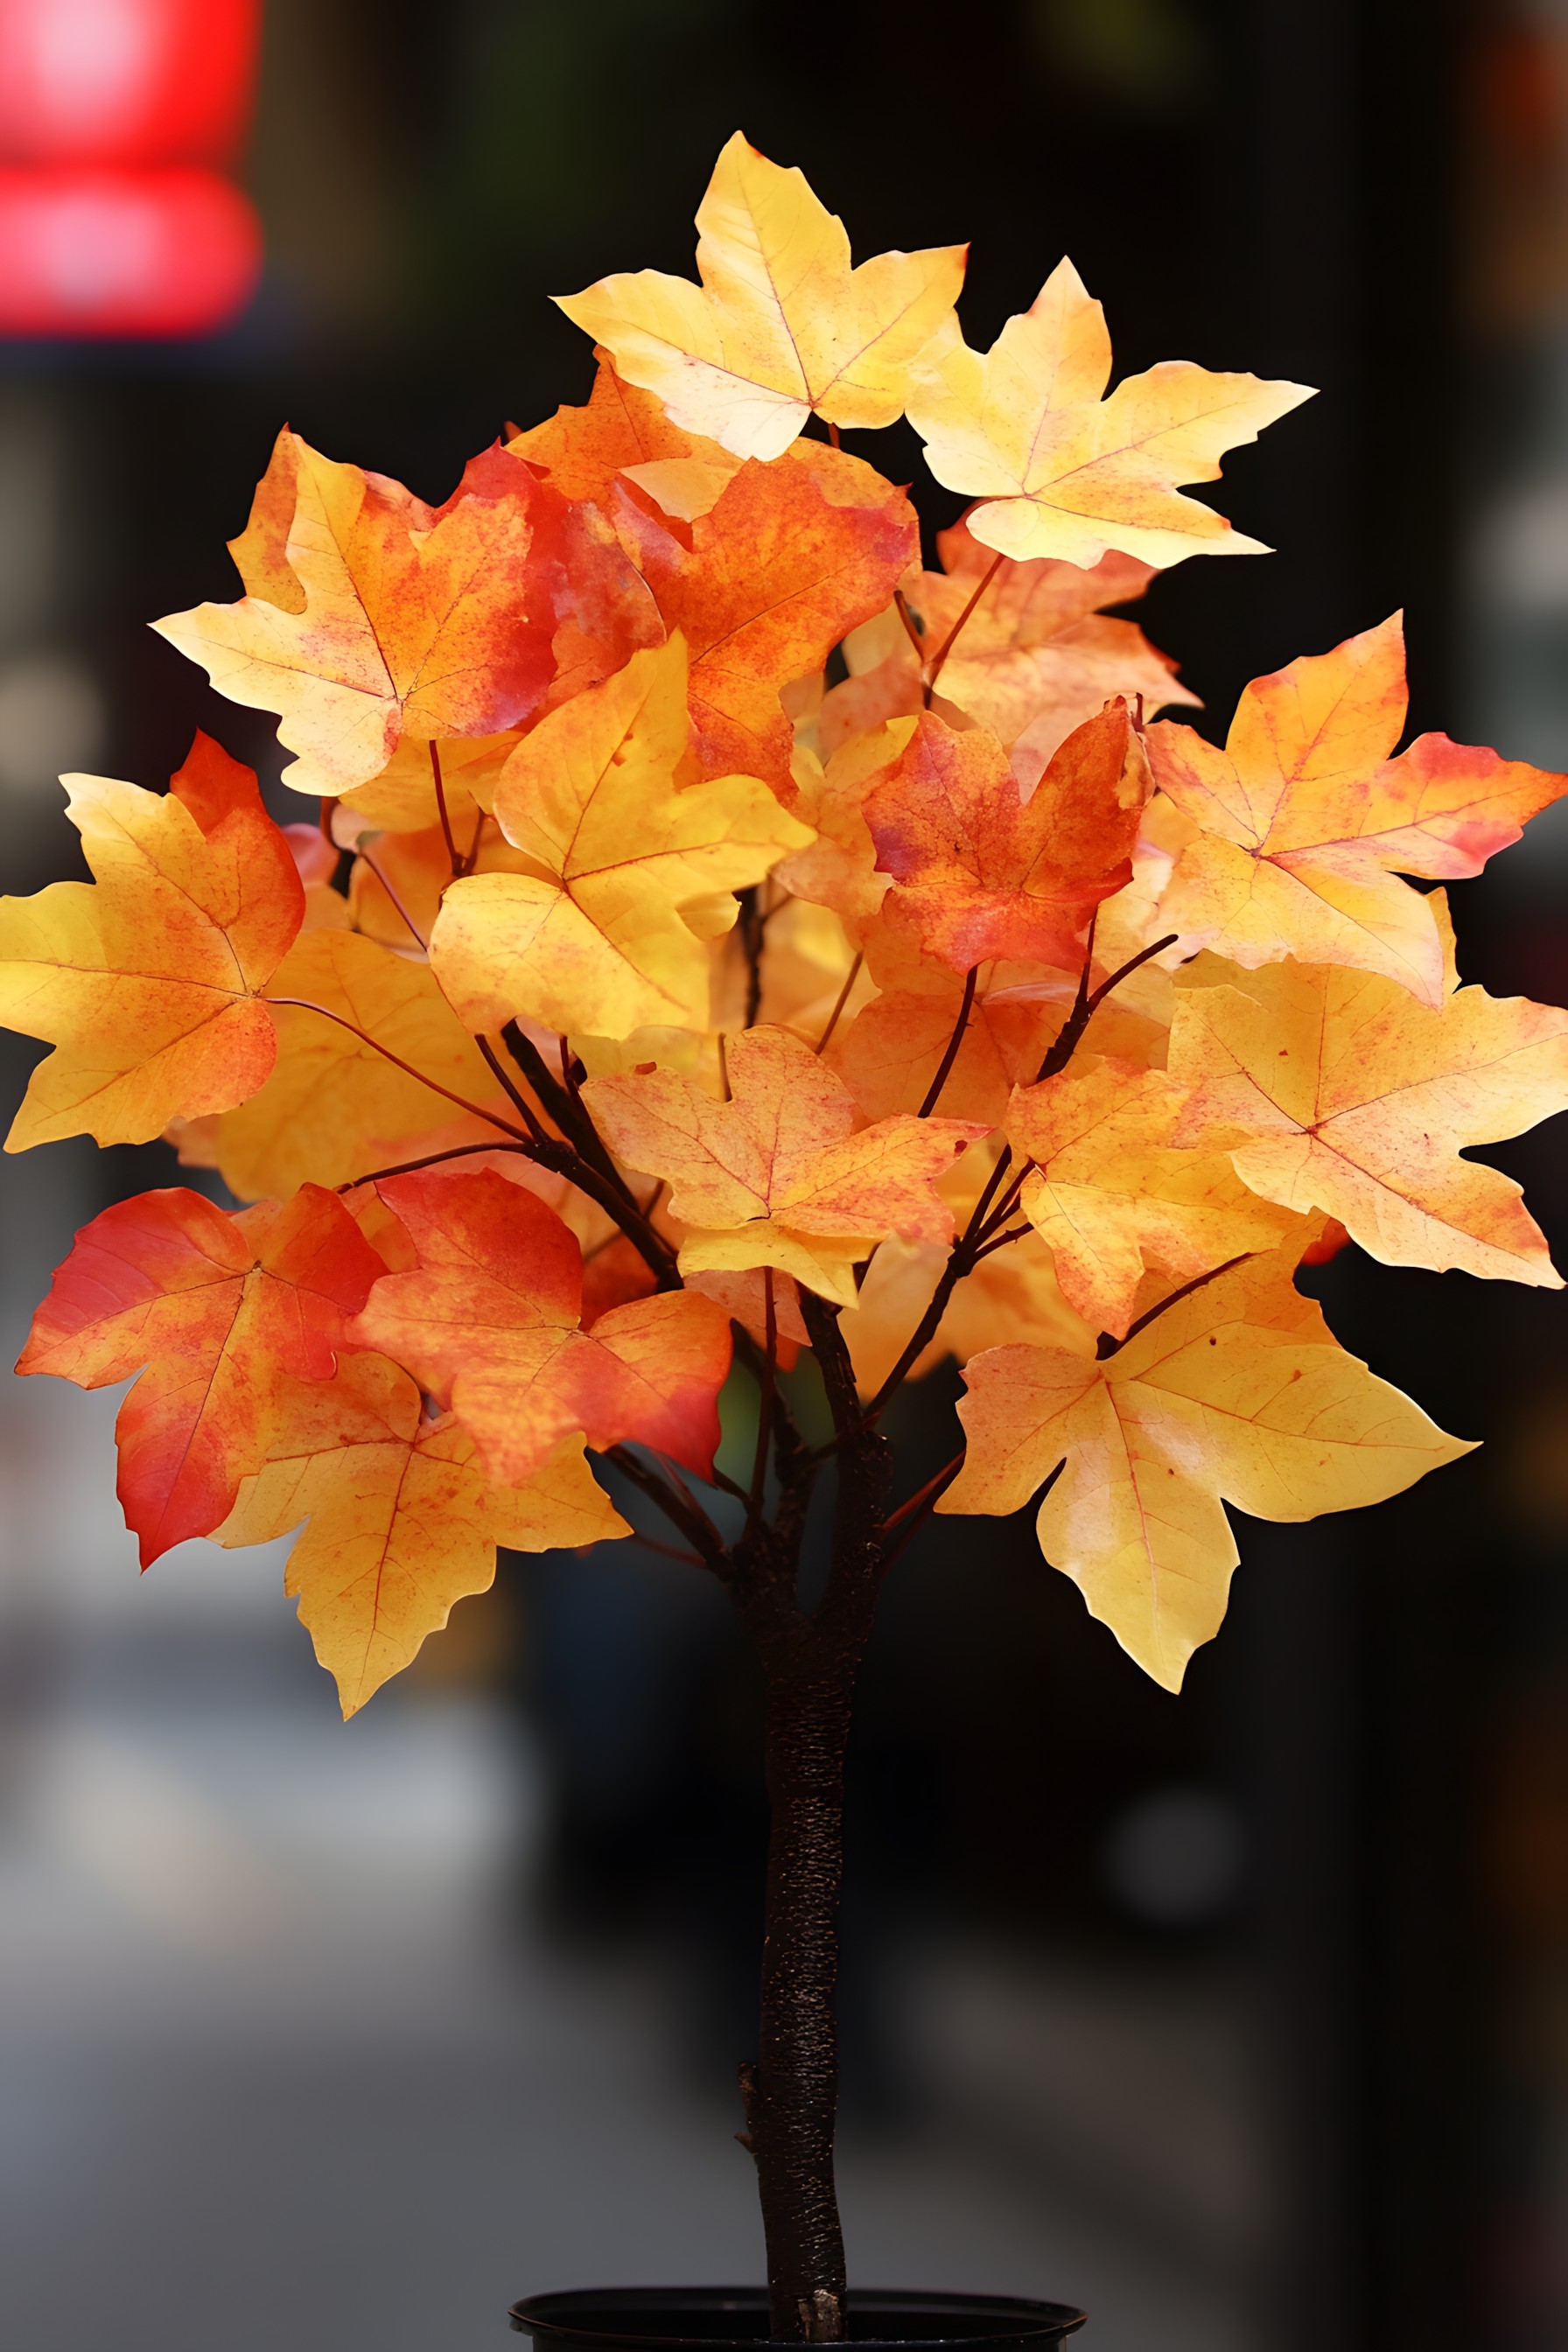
[(791, 2091)]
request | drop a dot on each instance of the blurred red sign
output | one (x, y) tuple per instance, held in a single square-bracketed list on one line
[(173, 252), (109, 111)]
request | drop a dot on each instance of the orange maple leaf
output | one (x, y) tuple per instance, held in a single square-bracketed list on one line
[(1238, 1392), (1060, 469), (219, 1310), (781, 324), (462, 619), (1308, 819), (401, 1519), (776, 1176), (1338, 1090), (148, 983), (594, 939), (979, 872), (789, 558), (625, 434), (1034, 656), (488, 1323)]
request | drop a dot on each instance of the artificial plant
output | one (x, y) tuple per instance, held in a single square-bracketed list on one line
[(723, 941)]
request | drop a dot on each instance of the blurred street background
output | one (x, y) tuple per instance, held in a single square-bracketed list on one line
[(1241, 2018)]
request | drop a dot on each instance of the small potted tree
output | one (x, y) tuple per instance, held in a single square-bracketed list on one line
[(726, 955)]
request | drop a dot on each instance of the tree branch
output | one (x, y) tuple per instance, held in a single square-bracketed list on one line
[(679, 1508)]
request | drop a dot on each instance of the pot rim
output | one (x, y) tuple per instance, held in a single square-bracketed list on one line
[(555, 2318)]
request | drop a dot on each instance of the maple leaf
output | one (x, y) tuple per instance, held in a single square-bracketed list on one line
[(624, 434), (1060, 469), (402, 1521), (1033, 658), (488, 1323), (219, 1308), (402, 799), (790, 557), (1338, 1090), (463, 619), (1112, 1193), (148, 982), (776, 1176), (593, 940), (1308, 818), (781, 324), (334, 1107), (979, 872), (1238, 1392)]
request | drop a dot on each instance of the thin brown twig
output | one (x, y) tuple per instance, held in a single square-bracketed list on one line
[(933, 668), (419, 938), (666, 1551), (1106, 1346), (843, 998), (679, 1509), (513, 1092), (469, 861), (949, 1471), (944, 1067), (916, 1520), (1000, 1241), (430, 1160), (441, 811), (902, 605), (303, 1004)]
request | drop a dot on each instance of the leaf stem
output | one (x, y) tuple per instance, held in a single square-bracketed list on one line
[(944, 1067), (447, 834), (850, 978), (419, 938), (304, 1004), (429, 1160), (1106, 1347), (933, 668)]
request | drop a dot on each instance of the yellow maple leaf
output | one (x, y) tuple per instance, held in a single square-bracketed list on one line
[(1338, 1090), (1308, 819), (148, 982), (1063, 471), (593, 940), (334, 1107), (1237, 1392), (402, 1521), (1112, 1193), (776, 1176), (781, 324)]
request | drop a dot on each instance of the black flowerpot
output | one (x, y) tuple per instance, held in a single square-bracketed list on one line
[(717, 2318)]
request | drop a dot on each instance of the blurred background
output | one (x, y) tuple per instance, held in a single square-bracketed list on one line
[(1241, 2018)]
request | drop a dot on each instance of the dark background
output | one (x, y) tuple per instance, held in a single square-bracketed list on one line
[(1349, 1837)]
